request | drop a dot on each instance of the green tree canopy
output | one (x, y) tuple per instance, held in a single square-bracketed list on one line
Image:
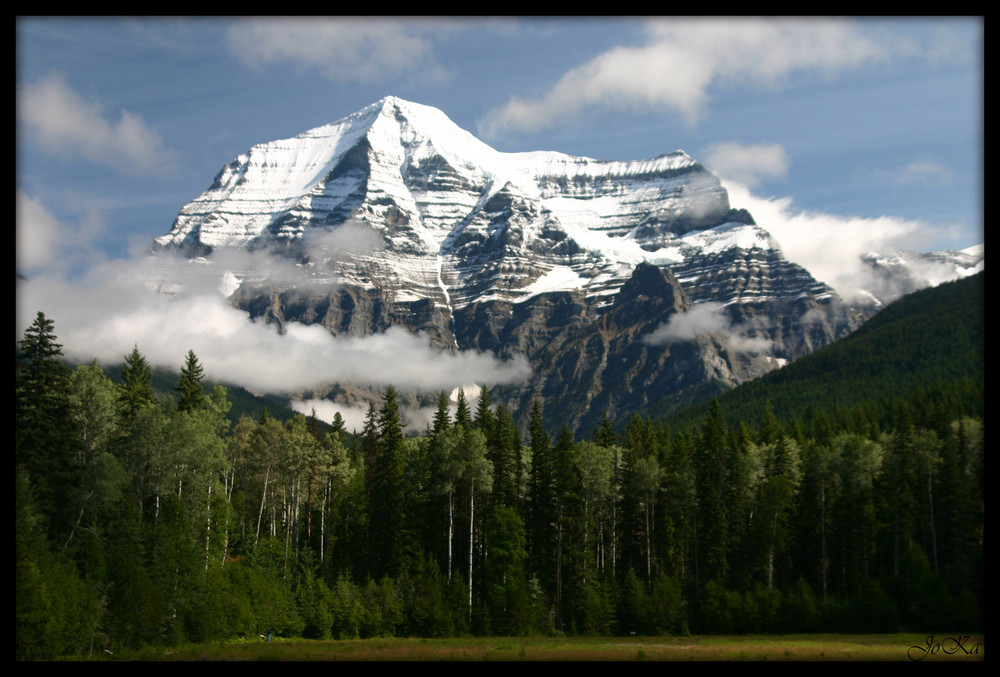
[(189, 387)]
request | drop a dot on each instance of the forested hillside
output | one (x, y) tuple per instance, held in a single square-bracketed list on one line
[(151, 520), (921, 356)]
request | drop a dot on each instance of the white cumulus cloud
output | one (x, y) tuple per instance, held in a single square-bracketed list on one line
[(115, 305), (39, 233), (104, 320), (750, 164), (831, 246), (69, 125), (683, 59), (707, 318), (45, 243), (349, 49)]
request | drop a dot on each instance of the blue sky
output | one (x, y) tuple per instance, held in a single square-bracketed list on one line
[(869, 118), (840, 135)]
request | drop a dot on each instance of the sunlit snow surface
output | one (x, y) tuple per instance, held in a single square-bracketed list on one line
[(427, 188)]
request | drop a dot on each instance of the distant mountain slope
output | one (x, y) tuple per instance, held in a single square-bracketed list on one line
[(624, 285), (926, 341)]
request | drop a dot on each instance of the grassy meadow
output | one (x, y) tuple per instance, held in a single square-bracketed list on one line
[(896, 647)]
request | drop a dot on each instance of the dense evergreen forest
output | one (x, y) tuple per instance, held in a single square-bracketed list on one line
[(925, 348), (150, 520)]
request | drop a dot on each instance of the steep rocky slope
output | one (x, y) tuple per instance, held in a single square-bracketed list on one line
[(625, 284)]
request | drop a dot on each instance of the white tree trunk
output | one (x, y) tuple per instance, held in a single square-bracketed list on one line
[(472, 512), (451, 529), (208, 524), (263, 495)]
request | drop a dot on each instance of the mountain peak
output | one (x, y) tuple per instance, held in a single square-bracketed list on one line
[(395, 215), (393, 106), (425, 184), (390, 101)]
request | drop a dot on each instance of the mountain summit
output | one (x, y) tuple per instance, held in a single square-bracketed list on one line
[(627, 285), (445, 201)]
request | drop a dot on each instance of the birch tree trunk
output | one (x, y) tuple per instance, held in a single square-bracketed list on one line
[(451, 529), (472, 512), (208, 523), (263, 496)]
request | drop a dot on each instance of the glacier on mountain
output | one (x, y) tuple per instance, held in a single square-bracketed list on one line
[(437, 196), (395, 216)]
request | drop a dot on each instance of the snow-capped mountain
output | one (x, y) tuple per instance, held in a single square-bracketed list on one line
[(627, 285), (440, 199), (894, 273)]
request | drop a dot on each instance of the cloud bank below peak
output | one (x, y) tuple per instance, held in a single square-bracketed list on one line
[(119, 304), (831, 247)]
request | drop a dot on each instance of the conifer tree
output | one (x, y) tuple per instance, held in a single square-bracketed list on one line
[(192, 396), (712, 524), (504, 580), (504, 456), (388, 493), (441, 416), (638, 446), (604, 434), (462, 416), (46, 441), (540, 499), (568, 519), (959, 506), (484, 416), (137, 390), (42, 380), (854, 464), (338, 427)]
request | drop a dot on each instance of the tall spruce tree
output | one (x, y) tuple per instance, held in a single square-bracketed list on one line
[(604, 433), (388, 494), (441, 416), (712, 525), (46, 440), (192, 396), (137, 386), (462, 416), (568, 519), (484, 415), (503, 453), (540, 500)]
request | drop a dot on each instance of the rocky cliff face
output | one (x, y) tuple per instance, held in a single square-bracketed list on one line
[(626, 284)]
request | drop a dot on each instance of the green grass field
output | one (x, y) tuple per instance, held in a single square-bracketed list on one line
[(899, 647)]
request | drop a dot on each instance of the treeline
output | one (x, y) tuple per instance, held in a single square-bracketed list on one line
[(154, 521)]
